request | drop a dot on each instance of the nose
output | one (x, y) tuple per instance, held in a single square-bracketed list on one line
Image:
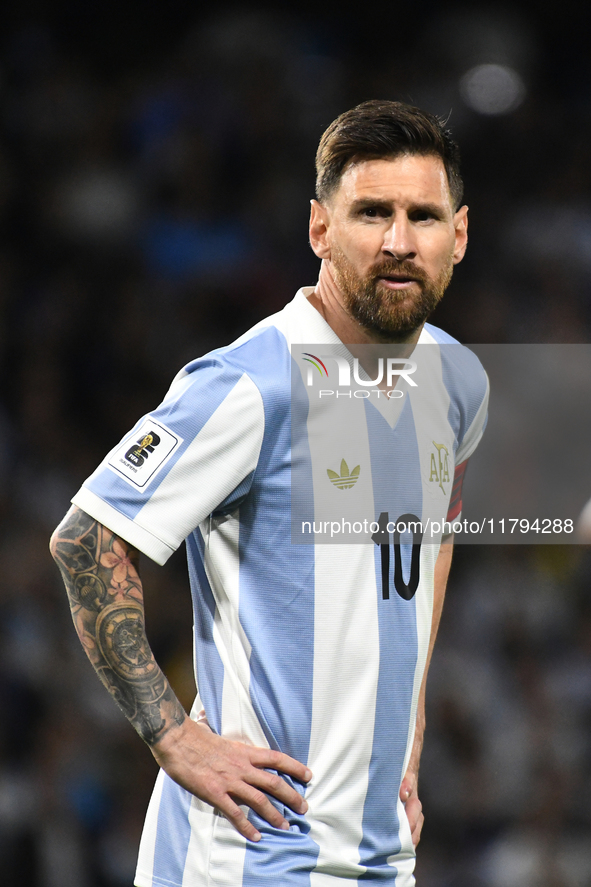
[(399, 241)]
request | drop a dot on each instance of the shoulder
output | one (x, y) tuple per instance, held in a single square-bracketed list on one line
[(257, 363), (467, 385), (464, 375), (263, 352), (261, 349)]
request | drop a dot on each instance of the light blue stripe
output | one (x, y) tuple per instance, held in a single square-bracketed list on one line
[(397, 490), (172, 834), (280, 859), (276, 577), (236, 497), (208, 664), (277, 614)]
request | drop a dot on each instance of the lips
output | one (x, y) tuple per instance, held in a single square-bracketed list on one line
[(398, 272), (397, 282)]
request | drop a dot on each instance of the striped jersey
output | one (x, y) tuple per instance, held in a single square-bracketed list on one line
[(315, 649)]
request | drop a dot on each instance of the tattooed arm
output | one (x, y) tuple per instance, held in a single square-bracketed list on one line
[(101, 574)]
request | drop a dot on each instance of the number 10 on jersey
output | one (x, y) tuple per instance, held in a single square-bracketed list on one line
[(406, 590)]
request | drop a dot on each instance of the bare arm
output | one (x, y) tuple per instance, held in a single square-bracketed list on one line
[(409, 786), (100, 572)]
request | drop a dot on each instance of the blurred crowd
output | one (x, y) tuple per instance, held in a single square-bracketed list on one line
[(154, 187)]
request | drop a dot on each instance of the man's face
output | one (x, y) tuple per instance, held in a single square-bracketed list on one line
[(391, 240)]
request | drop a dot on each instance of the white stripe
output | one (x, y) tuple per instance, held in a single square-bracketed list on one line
[(337, 430), (201, 819), (145, 864), (216, 851), (346, 643), (346, 666), (226, 864)]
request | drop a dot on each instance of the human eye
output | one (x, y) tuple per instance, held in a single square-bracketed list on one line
[(424, 215), (373, 211)]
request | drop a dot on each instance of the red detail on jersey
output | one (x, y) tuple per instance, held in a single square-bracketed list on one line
[(455, 502)]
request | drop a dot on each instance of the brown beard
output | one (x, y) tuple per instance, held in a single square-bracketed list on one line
[(381, 311)]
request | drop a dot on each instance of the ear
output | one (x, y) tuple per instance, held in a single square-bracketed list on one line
[(461, 229), (319, 224)]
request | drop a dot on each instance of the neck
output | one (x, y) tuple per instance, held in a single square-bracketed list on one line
[(328, 299)]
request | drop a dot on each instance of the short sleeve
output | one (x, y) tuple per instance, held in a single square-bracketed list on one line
[(475, 430), (468, 387), (181, 461)]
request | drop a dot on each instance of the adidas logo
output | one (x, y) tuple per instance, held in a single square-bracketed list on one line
[(346, 479)]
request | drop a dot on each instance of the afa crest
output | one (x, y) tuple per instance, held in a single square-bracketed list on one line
[(439, 467)]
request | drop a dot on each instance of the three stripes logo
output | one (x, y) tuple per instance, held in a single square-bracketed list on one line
[(346, 479)]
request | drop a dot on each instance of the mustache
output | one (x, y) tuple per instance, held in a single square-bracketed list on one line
[(398, 269)]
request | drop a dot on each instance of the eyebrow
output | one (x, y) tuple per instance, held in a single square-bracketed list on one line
[(434, 209)]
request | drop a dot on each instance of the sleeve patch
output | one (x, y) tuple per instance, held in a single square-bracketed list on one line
[(140, 459)]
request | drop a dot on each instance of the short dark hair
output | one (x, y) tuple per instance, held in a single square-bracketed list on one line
[(379, 130)]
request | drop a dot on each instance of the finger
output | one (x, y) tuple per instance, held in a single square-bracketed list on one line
[(416, 834), (413, 812), (276, 760), (237, 818), (261, 804), (275, 785)]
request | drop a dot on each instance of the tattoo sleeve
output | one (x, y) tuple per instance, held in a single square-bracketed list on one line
[(100, 572)]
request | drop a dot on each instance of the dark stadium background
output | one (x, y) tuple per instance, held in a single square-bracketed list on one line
[(155, 166)]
